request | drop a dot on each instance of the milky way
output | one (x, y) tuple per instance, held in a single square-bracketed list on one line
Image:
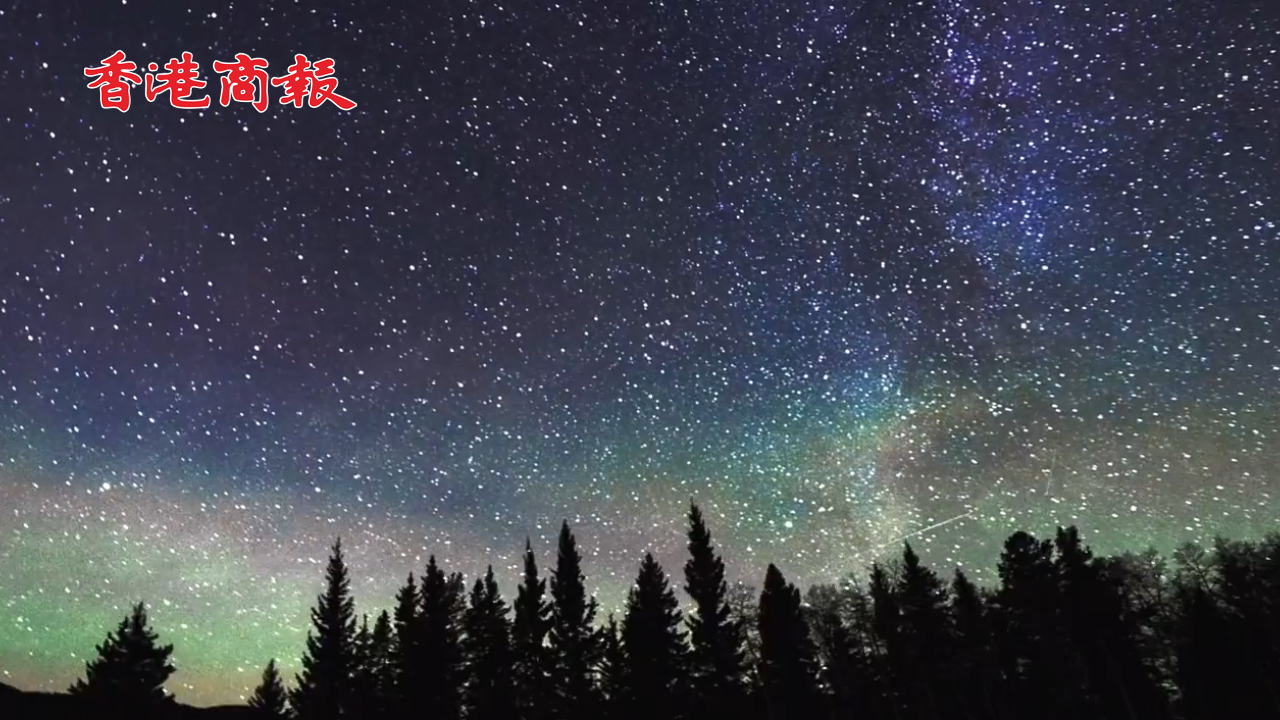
[(843, 272)]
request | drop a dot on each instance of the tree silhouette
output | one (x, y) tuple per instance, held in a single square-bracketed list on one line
[(717, 640), (787, 654), (922, 657), (457, 594), (363, 683), (744, 610), (655, 646), (1247, 585), (1065, 636), (839, 620), (532, 660), (1036, 656), (372, 680), (877, 685), (977, 667), (573, 637), (489, 693), (884, 621), (270, 698), (1207, 634), (404, 650), (613, 670), (131, 668), (380, 662), (323, 688), (437, 666), (1106, 637)]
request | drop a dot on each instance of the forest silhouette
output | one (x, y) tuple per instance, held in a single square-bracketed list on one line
[(1064, 635)]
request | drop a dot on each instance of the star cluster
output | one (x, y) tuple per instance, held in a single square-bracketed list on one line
[(845, 273)]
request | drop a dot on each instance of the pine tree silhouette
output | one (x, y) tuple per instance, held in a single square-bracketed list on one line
[(1207, 633), (323, 688), (744, 608), (457, 592), (490, 687), (924, 653), (404, 650), (977, 666), (270, 698), (1108, 636), (363, 685), (656, 654), (848, 674), (885, 625), (879, 685), (131, 669), (1041, 667), (437, 676), (613, 671), (1066, 636), (532, 659), (380, 664), (573, 637), (788, 662), (1246, 586), (717, 640), (371, 683)]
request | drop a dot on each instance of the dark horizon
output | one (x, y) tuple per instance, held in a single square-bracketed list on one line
[(1129, 636)]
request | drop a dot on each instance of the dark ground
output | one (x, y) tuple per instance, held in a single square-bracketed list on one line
[(16, 704)]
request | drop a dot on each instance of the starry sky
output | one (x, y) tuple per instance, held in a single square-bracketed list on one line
[(846, 272)]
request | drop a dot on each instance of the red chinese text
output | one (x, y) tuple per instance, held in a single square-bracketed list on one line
[(180, 79), (112, 80), (314, 84), (244, 80)]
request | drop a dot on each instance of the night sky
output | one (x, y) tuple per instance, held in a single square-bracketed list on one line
[(844, 271)]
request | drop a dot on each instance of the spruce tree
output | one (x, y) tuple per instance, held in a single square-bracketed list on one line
[(883, 624), (788, 657), (532, 659), (456, 589), (613, 671), (406, 610), (371, 684), (1040, 667), (404, 650), (270, 698), (717, 639), (977, 668), (837, 618), (437, 669), (925, 639), (323, 688), (381, 657), (363, 688), (131, 668), (655, 646), (489, 691), (1108, 638), (744, 608), (573, 637), (1247, 579), (1210, 670)]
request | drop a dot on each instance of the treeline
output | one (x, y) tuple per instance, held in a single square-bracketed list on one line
[(1064, 636)]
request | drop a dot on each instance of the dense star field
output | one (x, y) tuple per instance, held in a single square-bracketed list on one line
[(846, 272)]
